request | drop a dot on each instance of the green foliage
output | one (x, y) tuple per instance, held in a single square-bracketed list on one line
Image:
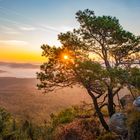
[(63, 117), (67, 116), (98, 36), (10, 129), (5, 123), (102, 36), (76, 121), (135, 77)]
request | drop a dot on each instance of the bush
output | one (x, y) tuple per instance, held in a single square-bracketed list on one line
[(134, 125), (76, 122), (80, 129), (5, 123), (67, 117), (10, 129)]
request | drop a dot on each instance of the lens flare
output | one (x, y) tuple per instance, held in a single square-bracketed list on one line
[(66, 57)]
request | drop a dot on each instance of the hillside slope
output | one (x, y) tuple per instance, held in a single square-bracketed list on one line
[(21, 98)]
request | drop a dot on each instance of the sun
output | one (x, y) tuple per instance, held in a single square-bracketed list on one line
[(66, 57)]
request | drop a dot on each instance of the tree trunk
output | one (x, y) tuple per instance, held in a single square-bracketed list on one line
[(98, 111), (111, 109), (100, 115)]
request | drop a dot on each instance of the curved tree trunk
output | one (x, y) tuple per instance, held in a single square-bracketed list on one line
[(98, 111), (100, 115)]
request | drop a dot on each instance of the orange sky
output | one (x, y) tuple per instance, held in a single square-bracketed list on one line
[(26, 25), (19, 54)]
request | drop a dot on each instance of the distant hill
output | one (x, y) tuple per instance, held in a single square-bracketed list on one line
[(21, 97)]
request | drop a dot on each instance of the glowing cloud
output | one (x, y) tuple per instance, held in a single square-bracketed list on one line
[(27, 28), (19, 65), (14, 42)]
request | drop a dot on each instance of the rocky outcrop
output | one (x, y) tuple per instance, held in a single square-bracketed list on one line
[(117, 124), (136, 103), (127, 125)]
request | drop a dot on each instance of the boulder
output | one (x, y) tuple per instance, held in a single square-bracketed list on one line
[(136, 103), (126, 101), (117, 124)]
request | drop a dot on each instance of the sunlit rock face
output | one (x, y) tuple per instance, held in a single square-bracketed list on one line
[(136, 103), (117, 124)]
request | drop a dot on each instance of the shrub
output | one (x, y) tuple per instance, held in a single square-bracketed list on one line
[(134, 125), (66, 117), (76, 122), (79, 129), (5, 123)]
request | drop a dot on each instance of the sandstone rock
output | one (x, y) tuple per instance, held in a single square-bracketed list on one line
[(136, 103), (126, 101), (117, 124)]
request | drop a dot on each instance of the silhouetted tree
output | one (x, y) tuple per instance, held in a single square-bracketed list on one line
[(94, 56)]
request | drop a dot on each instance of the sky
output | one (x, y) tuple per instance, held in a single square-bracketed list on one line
[(27, 24)]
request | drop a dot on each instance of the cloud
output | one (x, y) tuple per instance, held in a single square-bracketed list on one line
[(8, 30), (56, 29), (3, 71), (14, 42), (20, 65), (27, 28), (31, 27), (66, 28), (47, 27)]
